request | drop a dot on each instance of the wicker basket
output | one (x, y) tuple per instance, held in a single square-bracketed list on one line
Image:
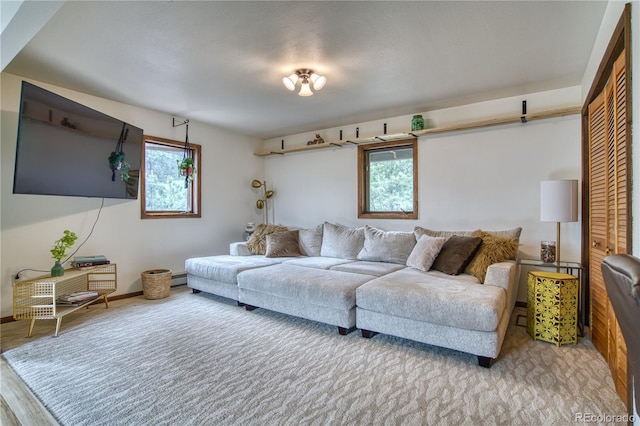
[(156, 283)]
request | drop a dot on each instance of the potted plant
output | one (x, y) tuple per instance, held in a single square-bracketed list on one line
[(186, 168), (60, 246), (117, 162)]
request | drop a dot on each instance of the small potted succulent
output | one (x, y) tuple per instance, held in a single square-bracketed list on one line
[(59, 249)]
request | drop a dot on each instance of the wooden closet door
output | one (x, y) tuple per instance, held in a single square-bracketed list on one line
[(608, 214)]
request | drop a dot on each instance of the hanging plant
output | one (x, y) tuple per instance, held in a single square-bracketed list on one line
[(117, 163), (116, 158), (186, 169)]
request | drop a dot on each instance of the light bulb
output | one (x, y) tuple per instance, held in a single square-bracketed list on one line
[(305, 90)]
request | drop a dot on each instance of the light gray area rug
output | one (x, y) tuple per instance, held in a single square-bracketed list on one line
[(200, 360)]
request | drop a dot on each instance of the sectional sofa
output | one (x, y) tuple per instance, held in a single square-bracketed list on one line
[(451, 289)]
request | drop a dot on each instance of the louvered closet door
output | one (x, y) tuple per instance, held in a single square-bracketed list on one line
[(608, 214)]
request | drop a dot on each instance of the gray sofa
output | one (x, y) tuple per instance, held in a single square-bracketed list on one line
[(450, 289)]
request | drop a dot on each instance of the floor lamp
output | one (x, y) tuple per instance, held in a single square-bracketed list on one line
[(559, 203)]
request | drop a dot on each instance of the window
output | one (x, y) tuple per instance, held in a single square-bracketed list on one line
[(163, 189), (388, 180)]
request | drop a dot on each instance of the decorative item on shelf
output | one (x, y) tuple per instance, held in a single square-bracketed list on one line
[(60, 246), (186, 167), (307, 79), (548, 251), (558, 203), (417, 122), (116, 158), (248, 230), (318, 140), (266, 194)]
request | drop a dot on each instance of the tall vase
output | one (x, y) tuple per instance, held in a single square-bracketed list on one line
[(57, 270)]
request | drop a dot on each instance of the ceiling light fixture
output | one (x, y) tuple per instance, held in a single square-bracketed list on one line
[(307, 79)]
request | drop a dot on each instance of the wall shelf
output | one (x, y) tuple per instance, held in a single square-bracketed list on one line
[(436, 130)]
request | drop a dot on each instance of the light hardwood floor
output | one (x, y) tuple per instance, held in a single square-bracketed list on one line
[(18, 405)]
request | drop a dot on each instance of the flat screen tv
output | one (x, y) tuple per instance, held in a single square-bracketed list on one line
[(65, 148)]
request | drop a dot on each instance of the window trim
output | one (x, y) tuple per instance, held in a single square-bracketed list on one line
[(363, 184), (196, 200)]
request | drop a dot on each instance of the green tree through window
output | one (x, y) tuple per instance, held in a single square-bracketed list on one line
[(164, 189), (387, 180)]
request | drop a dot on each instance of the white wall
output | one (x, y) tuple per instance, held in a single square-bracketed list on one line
[(485, 178), (30, 223)]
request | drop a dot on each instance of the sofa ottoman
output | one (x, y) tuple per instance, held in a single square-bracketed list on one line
[(219, 274), (316, 294), (455, 313)]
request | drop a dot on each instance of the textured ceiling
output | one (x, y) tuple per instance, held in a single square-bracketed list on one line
[(222, 62)]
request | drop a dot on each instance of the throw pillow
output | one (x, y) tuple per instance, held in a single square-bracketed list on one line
[(425, 252), (283, 244), (311, 241), (493, 249), (257, 243), (456, 253), (341, 241), (386, 246)]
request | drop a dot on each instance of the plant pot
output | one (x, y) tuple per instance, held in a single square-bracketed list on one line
[(57, 270), (187, 171)]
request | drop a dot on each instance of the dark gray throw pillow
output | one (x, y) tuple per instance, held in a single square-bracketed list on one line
[(456, 253)]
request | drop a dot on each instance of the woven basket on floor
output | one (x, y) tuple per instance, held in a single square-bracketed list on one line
[(156, 283)]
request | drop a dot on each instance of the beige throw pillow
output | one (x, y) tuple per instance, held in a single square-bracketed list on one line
[(425, 252), (341, 241)]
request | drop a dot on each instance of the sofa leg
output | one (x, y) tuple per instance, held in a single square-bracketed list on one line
[(250, 307), (194, 291), (484, 361), (367, 334), (343, 331)]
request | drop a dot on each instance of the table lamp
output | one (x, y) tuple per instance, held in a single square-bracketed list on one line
[(559, 203)]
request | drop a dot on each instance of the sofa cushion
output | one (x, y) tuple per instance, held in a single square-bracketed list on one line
[(257, 243), (425, 252), (420, 231), (318, 262), (311, 241), (456, 253), (377, 269), (493, 249), (416, 295), (333, 289), (225, 268), (341, 241), (386, 246), (283, 244)]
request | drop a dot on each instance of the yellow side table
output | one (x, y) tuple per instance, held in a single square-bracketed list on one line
[(552, 307)]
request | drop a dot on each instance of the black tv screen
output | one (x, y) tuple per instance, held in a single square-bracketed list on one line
[(64, 148)]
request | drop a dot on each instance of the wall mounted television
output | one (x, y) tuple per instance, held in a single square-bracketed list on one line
[(63, 148)]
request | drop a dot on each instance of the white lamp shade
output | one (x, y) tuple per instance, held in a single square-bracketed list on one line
[(305, 90), (290, 81), (318, 81), (559, 201)]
